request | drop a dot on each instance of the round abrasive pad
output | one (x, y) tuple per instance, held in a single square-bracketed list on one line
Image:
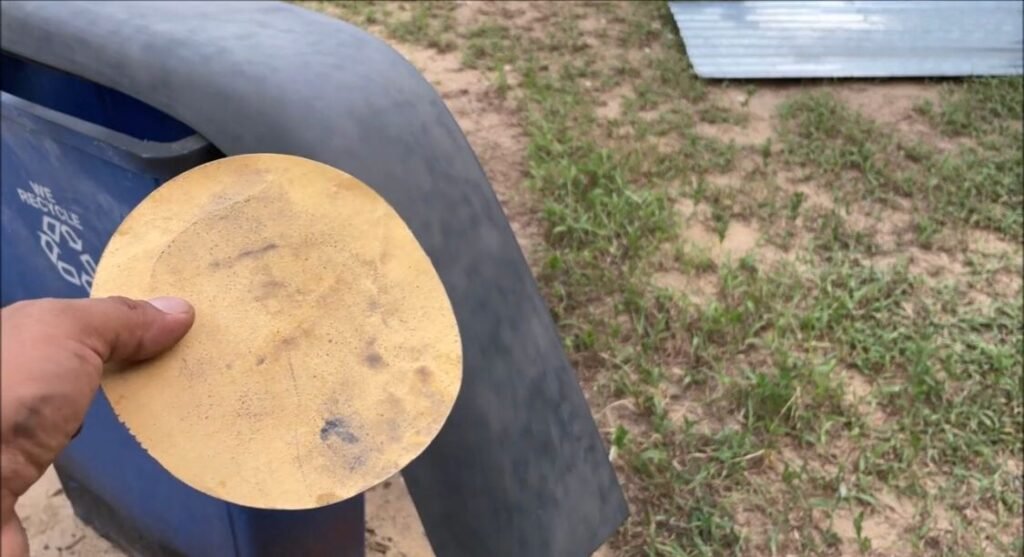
[(325, 354)]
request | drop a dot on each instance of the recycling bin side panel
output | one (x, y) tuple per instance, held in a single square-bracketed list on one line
[(64, 192), (66, 184)]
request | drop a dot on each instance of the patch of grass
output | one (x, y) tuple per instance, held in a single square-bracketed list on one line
[(952, 373), (426, 23), (833, 237), (790, 395), (488, 43), (719, 114), (688, 489), (977, 187), (977, 107), (590, 208), (694, 259), (363, 14), (795, 202), (926, 229), (963, 400), (820, 133)]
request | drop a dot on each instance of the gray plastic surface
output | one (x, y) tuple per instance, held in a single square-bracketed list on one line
[(519, 469)]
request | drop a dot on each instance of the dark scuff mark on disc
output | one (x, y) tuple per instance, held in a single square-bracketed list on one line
[(374, 360), (257, 251), (338, 428)]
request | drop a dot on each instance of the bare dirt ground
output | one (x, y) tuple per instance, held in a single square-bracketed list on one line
[(52, 527)]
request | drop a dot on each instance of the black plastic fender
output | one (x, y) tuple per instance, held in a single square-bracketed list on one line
[(519, 468)]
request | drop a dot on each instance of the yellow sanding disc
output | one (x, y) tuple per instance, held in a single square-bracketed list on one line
[(325, 354)]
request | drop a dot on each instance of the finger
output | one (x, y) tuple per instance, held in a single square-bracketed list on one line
[(124, 330), (13, 541)]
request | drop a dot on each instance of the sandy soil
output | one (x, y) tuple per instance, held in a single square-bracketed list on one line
[(52, 527)]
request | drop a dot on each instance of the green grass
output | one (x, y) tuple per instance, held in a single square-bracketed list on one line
[(821, 133), (977, 186), (780, 411), (426, 23), (719, 114), (487, 44), (977, 107)]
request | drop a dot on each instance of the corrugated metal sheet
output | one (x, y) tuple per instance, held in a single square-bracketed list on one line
[(852, 39)]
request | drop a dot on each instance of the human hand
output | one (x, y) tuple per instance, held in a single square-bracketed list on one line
[(52, 354)]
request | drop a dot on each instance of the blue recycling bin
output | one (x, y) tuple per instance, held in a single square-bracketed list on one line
[(76, 158)]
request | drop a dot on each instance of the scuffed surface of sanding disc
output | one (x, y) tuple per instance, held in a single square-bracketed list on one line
[(325, 354)]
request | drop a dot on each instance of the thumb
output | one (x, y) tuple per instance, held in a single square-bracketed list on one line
[(124, 330)]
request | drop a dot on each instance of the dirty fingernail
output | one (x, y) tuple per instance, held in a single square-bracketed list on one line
[(170, 304)]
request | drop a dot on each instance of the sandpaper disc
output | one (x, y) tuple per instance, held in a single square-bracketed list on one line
[(325, 355)]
